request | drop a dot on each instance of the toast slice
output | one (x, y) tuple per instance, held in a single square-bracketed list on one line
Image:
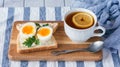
[(50, 44)]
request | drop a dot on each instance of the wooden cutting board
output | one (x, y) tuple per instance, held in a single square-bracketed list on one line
[(64, 43)]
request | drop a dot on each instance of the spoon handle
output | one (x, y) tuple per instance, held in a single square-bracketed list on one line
[(67, 51)]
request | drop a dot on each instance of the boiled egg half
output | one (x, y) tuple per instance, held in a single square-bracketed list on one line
[(28, 30), (44, 33)]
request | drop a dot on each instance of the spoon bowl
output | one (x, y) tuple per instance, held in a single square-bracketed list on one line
[(94, 47)]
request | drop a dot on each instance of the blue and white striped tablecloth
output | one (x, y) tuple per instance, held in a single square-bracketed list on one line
[(111, 58)]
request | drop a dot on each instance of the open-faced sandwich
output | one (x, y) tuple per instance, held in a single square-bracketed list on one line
[(36, 36)]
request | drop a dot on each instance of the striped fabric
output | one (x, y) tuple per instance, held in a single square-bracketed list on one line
[(111, 58)]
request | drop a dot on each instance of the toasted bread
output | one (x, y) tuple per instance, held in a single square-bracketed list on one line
[(50, 44)]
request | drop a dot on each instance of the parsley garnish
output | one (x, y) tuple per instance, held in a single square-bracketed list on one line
[(45, 25), (37, 25), (37, 41), (29, 41)]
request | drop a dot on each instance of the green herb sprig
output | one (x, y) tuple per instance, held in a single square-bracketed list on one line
[(45, 25), (29, 41), (37, 25), (37, 41)]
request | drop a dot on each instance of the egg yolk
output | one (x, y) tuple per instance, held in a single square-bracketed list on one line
[(44, 31), (28, 29)]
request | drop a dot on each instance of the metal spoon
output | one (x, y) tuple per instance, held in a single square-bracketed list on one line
[(94, 47)]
